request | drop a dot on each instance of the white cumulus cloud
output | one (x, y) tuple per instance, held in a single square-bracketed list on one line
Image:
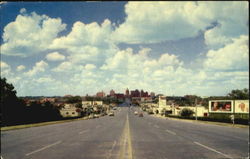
[(20, 68), (151, 22), (30, 34), (232, 57), (39, 67), (55, 56)]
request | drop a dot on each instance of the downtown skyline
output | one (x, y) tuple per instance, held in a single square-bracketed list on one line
[(171, 48)]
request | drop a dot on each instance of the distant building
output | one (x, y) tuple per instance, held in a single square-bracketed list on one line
[(100, 94), (135, 93), (144, 94), (119, 95), (112, 93), (127, 93)]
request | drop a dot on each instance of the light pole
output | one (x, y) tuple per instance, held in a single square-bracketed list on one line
[(195, 109)]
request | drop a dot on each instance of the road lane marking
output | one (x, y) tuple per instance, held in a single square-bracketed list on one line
[(112, 148), (125, 151), (156, 126), (43, 148), (171, 132), (84, 131), (209, 148)]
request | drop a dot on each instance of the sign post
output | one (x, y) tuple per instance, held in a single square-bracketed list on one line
[(232, 118)]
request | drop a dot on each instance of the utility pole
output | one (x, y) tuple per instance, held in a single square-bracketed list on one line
[(195, 109)]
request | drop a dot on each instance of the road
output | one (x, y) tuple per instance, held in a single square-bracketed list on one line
[(126, 136)]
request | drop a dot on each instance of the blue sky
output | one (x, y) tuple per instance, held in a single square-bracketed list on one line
[(78, 48)]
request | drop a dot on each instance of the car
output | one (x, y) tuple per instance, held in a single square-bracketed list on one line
[(111, 114), (141, 114), (135, 112), (114, 108)]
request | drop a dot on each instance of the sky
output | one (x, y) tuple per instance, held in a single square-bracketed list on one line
[(169, 47)]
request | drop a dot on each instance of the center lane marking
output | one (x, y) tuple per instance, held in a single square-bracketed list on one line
[(125, 151), (43, 148), (211, 149)]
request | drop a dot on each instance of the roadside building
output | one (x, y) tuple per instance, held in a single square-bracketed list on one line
[(86, 103), (162, 104), (97, 103), (201, 110), (69, 110)]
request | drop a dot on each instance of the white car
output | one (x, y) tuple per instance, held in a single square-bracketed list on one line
[(135, 112), (111, 113)]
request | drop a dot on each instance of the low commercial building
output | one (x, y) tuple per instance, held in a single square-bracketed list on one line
[(201, 110), (69, 110), (162, 104)]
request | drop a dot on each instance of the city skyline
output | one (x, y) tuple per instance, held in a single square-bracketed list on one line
[(78, 48)]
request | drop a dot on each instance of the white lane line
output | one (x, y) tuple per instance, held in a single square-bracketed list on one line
[(84, 131), (156, 126), (171, 132), (209, 148), (110, 151), (43, 148)]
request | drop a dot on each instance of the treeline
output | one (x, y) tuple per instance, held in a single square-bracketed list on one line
[(14, 111), (190, 100)]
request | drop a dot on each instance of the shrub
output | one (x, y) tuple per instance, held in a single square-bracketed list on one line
[(186, 112)]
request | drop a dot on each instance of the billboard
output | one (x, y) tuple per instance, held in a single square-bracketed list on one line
[(221, 106), (241, 106)]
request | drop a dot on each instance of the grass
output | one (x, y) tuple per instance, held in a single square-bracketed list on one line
[(38, 124)]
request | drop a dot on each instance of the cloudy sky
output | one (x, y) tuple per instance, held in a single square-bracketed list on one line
[(79, 48)]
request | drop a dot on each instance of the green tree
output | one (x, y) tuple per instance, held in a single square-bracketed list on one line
[(12, 108), (239, 94), (186, 112), (79, 105), (74, 99)]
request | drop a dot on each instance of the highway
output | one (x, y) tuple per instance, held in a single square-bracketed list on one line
[(126, 136)]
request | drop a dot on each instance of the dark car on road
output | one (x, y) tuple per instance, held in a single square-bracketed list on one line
[(140, 114)]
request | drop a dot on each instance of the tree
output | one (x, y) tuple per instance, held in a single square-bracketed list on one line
[(239, 94), (78, 105), (75, 99), (186, 112), (12, 109)]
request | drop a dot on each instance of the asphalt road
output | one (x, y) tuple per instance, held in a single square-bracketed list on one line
[(126, 136)]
